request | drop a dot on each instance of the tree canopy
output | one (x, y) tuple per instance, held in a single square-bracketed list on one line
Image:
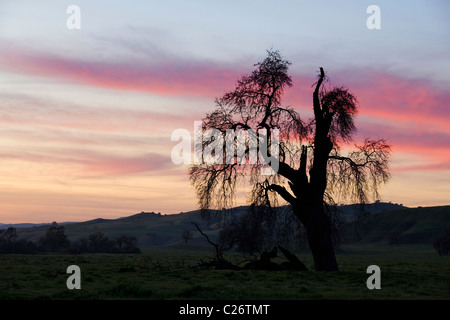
[(311, 163)]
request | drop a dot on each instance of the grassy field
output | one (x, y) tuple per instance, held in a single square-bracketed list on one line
[(407, 272)]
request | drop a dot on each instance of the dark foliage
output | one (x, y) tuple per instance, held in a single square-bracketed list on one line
[(10, 244), (55, 239), (442, 243), (98, 242), (186, 235)]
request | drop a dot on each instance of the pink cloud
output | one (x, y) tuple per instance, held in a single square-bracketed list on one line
[(400, 99), (166, 78), (415, 113), (428, 146), (384, 96), (380, 94)]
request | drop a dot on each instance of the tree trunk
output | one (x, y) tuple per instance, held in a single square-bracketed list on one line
[(318, 229)]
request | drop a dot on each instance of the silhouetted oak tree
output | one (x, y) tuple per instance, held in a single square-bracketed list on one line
[(313, 170), (55, 238)]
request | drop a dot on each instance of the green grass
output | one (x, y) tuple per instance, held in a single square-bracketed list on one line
[(407, 272)]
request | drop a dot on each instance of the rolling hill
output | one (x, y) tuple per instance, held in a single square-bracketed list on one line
[(384, 223), (148, 227), (403, 226)]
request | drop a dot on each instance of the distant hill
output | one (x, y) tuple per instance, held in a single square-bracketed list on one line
[(21, 225), (148, 228), (401, 226), (352, 211), (383, 223)]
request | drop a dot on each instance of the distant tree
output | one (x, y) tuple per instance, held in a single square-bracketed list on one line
[(79, 246), (55, 239), (186, 235), (9, 242), (442, 243), (312, 168), (8, 235), (99, 242), (127, 244)]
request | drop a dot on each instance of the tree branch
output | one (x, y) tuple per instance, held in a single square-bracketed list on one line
[(348, 160), (316, 99), (286, 171), (282, 192), (216, 246), (302, 169)]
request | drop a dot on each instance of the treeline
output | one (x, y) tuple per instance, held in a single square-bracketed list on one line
[(56, 240)]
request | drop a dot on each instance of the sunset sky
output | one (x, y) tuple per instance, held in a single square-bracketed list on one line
[(86, 115)]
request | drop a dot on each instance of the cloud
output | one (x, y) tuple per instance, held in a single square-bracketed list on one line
[(169, 77), (426, 149), (403, 100), (383, 95), (114, 165), (25, 111), (84, 163), (414, 113)]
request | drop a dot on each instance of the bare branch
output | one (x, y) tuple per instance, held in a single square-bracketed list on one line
[(360, 174), (316, 100), (215, 245), (282, 192)]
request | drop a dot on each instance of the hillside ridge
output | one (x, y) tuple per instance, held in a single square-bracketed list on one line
[(380, 224)]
